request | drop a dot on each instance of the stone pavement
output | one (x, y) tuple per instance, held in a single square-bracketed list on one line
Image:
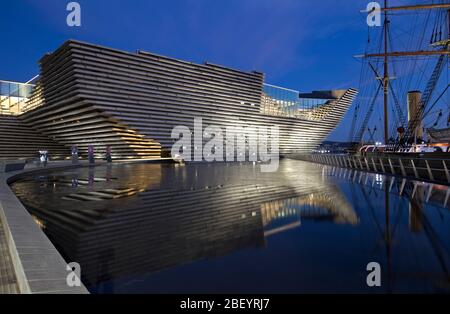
[(8, 281)]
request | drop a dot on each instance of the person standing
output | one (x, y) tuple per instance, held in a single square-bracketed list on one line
[(91, 154), (43, 157), (74, 155), (108, 154)]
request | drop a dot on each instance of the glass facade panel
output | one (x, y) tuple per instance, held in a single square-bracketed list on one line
[(4, 88), (13, 97), (14, 90), (278, 101)]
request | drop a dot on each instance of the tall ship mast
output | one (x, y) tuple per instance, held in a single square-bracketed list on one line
[(405, 60)]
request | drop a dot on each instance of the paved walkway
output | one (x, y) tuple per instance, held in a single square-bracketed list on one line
[(8, 282)]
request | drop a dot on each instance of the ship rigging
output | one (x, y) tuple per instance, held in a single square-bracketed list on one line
[(405, 65)]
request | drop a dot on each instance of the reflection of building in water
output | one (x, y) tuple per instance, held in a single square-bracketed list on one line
[(316, 206), (159, 228)]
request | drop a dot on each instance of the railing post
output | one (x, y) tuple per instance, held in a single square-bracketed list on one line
[(414, 190), (382, 166), (367, 164), (402, 187), (391, 184), (392, 167), (416, 173), (401, 167), (374, 165), (430, 174), (447, 194), (430, 190), (447, 175), (347, 171), (360, 163)]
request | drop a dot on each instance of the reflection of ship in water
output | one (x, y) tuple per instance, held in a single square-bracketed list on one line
[(163, 227), (424, 244)]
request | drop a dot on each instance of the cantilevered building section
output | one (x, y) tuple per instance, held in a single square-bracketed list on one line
[(305, 120), (92, 95)]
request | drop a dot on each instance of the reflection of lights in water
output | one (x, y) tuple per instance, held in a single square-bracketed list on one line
[(40, 223), (314, 205), (378, 178)]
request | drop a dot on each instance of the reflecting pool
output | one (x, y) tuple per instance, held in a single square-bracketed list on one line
[(227, 227)]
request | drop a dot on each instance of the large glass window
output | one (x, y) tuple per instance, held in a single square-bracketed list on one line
[(278, 101), (13, 97)]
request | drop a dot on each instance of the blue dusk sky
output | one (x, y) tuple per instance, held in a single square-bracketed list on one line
[(300, 44)]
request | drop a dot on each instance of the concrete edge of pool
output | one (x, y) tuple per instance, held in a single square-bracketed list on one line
[(37, 265)]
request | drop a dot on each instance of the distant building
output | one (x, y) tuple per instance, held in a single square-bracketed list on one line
[(330, 147)]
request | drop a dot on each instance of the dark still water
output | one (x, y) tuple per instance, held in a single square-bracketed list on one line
[(206, 228)]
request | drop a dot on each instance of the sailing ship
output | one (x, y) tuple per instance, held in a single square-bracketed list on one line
[(439, 135), (405, 68)]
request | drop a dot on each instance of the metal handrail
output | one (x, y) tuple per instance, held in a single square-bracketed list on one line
[(427, 169)]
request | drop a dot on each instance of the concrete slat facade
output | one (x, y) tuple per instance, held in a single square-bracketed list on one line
[(90, 94)]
